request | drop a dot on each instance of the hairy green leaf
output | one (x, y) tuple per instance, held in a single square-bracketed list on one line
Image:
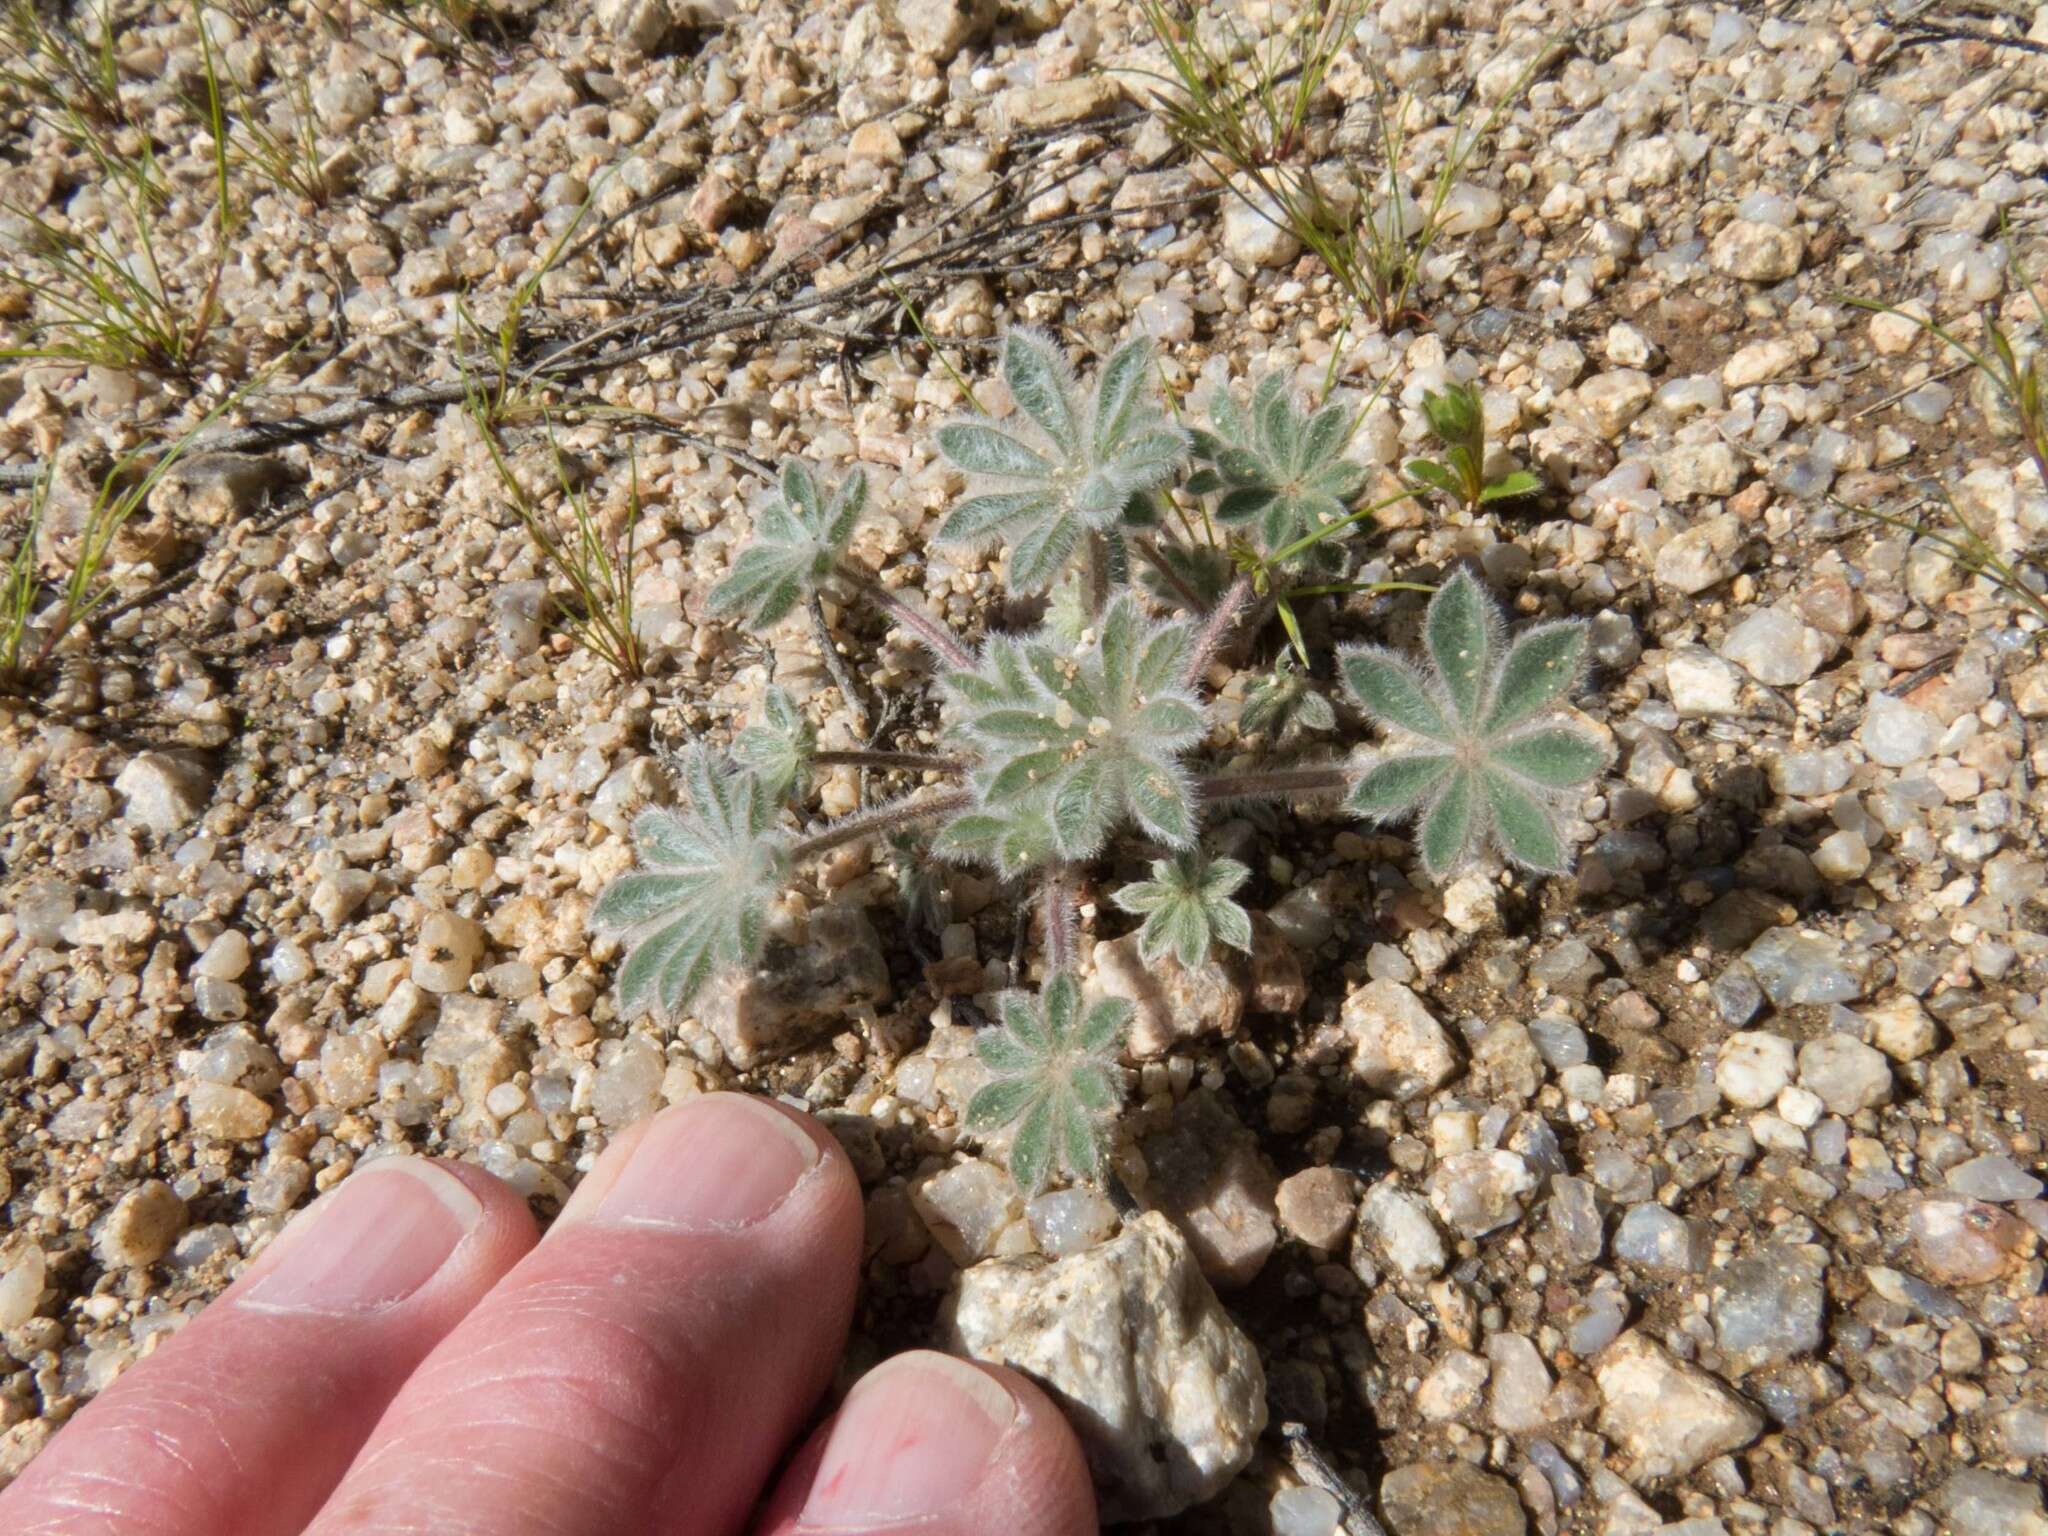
[(1466, 755), (1054, 1077), (799, 536), (1187, 907), (698, 904)]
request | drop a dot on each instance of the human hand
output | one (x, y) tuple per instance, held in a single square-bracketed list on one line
[(408, 1356)]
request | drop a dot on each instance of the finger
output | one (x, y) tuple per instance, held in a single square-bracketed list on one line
[(646, 1366), (929, 1444), (242, 1423)]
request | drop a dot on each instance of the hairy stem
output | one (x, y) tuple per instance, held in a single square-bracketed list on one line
[(1098, 574), (882, 818), (835, 664), (1276, 784), (1216, 629), (910, 762), (1148, 552), (944, 643), (1060, 921)]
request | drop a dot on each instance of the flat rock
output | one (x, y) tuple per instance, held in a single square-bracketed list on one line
[(1165, 1392), (1670, 1417), (1406, 1233), (1994, 1177), (1480, 1192), (1657, 1238), (1058, 104), (1966, 1242), (1768, 1305), (1799, 966), (1978, 1502), (1317, 1206), (1847, 1074), (1776, 648), (163, 791), (141, 1227), (1450, 1498), (941, 28), (1896, 734), (1756, 252), (1172, 1004), (1753, 1067), (798, 991), (1702, 685), (1400, 1050), (1208, 1175)]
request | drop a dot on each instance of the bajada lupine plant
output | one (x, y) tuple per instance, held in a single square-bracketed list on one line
[(780, 746), (1091, 727), (698, 904), (1187, 908), (1054, 1077), (800, 537), (1098, 452), (1074, 744), (1285, 701), (1278, 468), (1476, 751)]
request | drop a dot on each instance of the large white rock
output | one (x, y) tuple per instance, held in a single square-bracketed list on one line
[(163, 792), (1668, 1416), (1165, 1392), (1399, 1048)]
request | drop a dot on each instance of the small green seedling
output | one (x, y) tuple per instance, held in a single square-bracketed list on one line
[(1285, 702), (698, 904), (1188, 908), (1100, 450), (1055, 1078), (1476, 753), (1457, 421), (1074, 744), (780, 747), (1278, 468), (800, 538)]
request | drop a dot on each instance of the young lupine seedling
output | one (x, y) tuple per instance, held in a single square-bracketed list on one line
[(698, 905), (800, 538), (1188, 908), (1276, 467), (1458, 423), (1069, 491), (1074, 744), (1087, 729), (1477, 751), (1054, 1077), (1285, 702), (780, 748)]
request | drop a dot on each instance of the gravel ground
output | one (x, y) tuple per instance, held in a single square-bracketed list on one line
[(1697, 1193)]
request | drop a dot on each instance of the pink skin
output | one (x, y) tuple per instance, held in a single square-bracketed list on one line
[(406, 1358)]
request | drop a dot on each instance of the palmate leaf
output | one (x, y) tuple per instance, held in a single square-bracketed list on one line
[(1474, 755), (1187, 908), (698, 904), (1076, 739), (799, 536), (1276, 466), (779, 746), (1053, 1076), (1285, 702), (1078, 459)]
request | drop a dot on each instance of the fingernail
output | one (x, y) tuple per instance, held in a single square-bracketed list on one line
[(914, 1436), (369, 1243), (724, 1160)]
